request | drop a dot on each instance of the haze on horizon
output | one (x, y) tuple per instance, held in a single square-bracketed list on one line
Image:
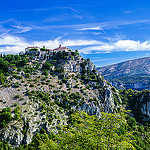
[(107, 31)]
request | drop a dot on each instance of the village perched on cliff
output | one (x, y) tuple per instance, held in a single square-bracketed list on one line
[(44, 53), (73, 58)]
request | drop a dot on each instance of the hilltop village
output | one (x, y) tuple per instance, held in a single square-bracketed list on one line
[(73, 63), (44, 53)]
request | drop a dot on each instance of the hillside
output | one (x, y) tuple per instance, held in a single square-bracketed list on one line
[(57, 100), (132, 74)]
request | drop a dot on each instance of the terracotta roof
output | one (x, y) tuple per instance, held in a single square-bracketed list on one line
[(60, 48)]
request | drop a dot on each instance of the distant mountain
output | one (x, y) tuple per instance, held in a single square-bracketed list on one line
[(129, 74)]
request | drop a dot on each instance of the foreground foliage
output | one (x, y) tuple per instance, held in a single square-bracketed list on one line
[(112, 131)]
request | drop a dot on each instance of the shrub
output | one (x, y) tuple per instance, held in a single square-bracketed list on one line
[(27, 75), (17, 96), (43, 82), (17, 113), (76, 86), (132, 122), (88, 87), (16, 85), (31, 85), (5, 117), (15, 104), (45, 73), (47, 65), (59, 70)]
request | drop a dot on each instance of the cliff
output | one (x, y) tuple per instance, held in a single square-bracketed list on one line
[(43, 93)]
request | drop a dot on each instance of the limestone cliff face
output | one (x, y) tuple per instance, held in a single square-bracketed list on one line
[(146, 109), (13, 134), (75, 65), (145, 105), (139, 102)]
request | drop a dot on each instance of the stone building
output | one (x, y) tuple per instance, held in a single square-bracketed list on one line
[(32, 50)]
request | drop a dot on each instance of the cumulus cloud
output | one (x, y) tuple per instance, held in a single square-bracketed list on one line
[(121, 45), (13, 44)]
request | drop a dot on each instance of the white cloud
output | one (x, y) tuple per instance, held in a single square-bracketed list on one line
[(80, 42), (96, 33), (21, 29), (121, 45), (91, 28), (13, 44)]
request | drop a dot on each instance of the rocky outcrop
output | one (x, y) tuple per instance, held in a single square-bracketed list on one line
[(72, 66), (90, 66), (146, 109), (145, 105), (108, 105), (89, 108), (13, 134)]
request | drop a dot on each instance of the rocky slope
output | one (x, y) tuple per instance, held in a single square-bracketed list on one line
[(132, 74), (43, 93)]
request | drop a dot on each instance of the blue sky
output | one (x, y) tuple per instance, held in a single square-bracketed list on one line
[(106, 31)]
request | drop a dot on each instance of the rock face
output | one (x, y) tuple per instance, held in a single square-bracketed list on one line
[(72, 66), (91, 109), (145, 105), (75, 65), (13, 134), (146, 109)]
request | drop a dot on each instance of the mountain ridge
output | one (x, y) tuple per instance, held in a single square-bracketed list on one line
[(130, 74), (121, 64)]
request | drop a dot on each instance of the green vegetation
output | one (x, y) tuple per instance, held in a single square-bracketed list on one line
[(47, 65), (111, 131), (17, 113), (5, 117), (135, 100)]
